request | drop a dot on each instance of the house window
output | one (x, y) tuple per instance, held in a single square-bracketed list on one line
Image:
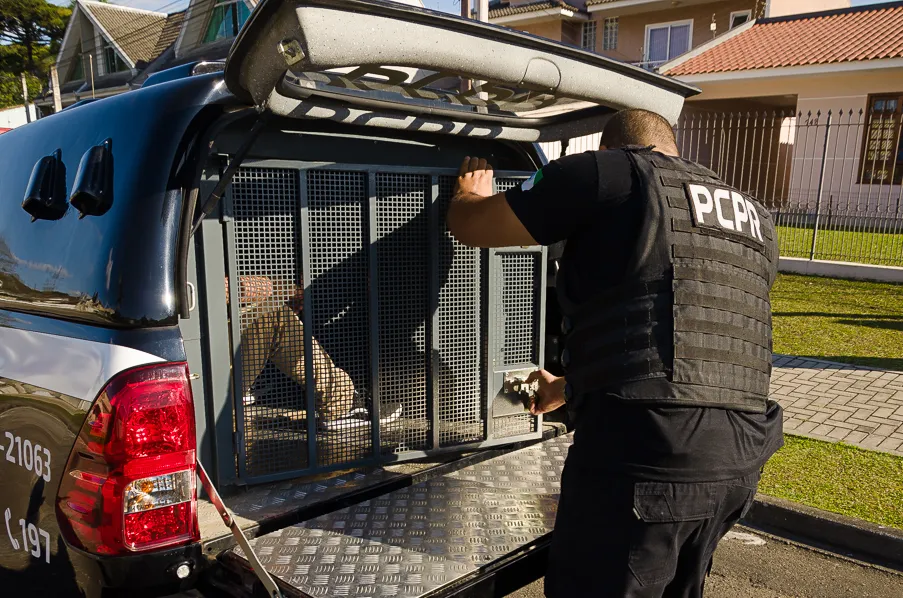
[(739, 17), (588, 39), (77, 73), (112, 62), (882, 145), (78, 68), (666, 41), (610, 34), (227, 19)]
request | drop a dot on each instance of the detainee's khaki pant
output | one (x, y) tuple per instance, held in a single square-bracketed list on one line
[(277, 335)]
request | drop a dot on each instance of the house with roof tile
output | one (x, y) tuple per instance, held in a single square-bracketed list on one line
[(644, 32), (211, 25), (105, 46), (109, 49), (835, 80)]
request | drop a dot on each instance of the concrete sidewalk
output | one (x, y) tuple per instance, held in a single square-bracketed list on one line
[(837, 401)]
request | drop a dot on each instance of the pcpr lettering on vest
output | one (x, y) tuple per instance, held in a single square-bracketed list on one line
[(716, 207)]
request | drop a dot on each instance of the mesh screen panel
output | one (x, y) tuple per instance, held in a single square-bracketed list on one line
[(517, 311), (265, 203), (503, 184), (402, 258), (339, 238), (460, 396), (514, 425)]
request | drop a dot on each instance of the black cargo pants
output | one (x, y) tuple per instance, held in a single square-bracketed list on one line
[(621, 538)]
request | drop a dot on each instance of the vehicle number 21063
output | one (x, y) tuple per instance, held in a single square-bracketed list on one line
[(23, 453)]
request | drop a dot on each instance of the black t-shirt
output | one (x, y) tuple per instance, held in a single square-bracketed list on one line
[(593, 205)]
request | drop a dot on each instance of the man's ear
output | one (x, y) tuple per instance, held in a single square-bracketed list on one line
[(602, 147)]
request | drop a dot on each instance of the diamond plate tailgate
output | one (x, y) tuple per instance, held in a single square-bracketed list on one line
[(418, 540)]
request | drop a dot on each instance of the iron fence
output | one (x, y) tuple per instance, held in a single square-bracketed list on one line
[(831, 178)]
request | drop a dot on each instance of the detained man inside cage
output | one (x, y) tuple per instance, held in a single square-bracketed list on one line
[(276, 334)]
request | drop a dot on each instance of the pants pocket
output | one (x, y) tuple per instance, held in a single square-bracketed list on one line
[(666, 514)]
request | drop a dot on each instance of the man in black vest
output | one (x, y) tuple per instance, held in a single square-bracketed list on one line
[(664, 283)]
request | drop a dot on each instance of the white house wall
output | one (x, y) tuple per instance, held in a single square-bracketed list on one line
[(577, 145), (781, 8), (10, 118)]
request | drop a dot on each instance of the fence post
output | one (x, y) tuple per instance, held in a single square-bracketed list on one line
[(821, 185)]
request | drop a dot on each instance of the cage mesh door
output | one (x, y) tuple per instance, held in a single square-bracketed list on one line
[(517, 326), (460, 341), (517, 308), (517, 319), (264, 205), (338, 266)]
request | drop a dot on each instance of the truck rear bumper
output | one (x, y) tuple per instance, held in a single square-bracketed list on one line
[(154, 572)]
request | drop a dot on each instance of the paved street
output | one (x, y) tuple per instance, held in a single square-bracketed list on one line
[(752, 566), (836, 401)]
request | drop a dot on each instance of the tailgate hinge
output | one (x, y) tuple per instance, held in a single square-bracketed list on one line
[(229, 520)]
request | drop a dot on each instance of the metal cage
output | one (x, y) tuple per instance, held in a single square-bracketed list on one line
[(360, 330)]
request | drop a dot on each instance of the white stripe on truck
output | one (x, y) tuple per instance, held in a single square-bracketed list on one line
[(75, 367)]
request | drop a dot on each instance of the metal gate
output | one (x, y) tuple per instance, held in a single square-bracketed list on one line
[(361, 330)]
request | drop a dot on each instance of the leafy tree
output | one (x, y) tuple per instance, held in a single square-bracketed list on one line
[(12, 63), (33, 24), (14, 58), (11, 88)]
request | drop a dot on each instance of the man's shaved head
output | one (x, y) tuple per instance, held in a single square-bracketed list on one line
[(639, 127)]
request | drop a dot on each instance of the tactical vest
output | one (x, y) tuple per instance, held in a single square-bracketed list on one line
[(693, 325)]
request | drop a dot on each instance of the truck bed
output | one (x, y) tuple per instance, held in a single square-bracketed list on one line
[(262, 508), (431, 538)]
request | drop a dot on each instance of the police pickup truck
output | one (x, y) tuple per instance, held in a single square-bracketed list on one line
[(239, 350)]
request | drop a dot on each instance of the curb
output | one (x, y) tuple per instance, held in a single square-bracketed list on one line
[(847, 270), (850, 537)]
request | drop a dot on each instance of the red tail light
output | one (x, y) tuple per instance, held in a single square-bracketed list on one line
[(130, 480)]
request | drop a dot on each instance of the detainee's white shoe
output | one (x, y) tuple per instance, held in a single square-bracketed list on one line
[(360, 418)]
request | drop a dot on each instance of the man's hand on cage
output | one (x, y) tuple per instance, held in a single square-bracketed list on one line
[(549, 395), (479, 218), (474, 178)]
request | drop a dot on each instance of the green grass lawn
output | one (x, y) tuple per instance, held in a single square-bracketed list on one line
[(852, 322), (849, 246), (839, 320), (839, 478)]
